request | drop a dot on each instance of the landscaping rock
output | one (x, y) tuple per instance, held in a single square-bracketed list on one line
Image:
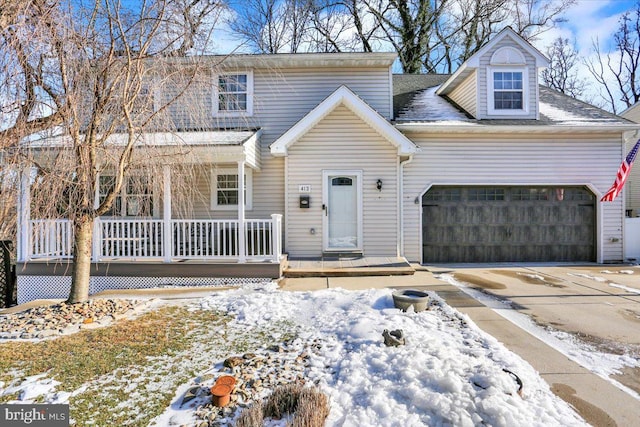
[(257, 374), (63, 318), (233, 361)]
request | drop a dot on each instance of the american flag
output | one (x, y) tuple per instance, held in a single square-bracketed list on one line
[(622, 175)]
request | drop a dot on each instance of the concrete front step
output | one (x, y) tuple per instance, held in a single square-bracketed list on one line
[(347, 267)]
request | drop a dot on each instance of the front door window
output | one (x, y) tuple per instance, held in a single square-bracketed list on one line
[(342, 214)]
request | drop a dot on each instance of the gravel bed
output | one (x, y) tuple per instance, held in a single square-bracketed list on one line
[(63, 318)]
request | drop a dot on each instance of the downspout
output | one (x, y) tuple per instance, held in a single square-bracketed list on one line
[(400, 249)]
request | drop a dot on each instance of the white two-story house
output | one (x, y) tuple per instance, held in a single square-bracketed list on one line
[(336, 155)]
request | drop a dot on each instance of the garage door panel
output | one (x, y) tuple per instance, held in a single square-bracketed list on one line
[(506, 224)]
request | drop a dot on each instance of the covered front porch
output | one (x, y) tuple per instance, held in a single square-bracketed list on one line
[(144, 226), (168, 240), (159, 233)]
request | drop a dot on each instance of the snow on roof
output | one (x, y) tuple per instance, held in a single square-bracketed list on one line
[(562, 116), (428, 106), (556, 109), (213, 137), (560, 109)]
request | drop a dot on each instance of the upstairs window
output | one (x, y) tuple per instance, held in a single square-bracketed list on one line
[(234, 94), (508, 94), (507, 83), (507, 90)]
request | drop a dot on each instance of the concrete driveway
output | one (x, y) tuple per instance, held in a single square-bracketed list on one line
[(598, 305)]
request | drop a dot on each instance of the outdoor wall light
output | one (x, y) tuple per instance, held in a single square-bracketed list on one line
[(379, 185)]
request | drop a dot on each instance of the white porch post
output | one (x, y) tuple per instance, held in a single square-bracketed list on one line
[(241, 225), (24, 215), (167, 236), (276, 236)]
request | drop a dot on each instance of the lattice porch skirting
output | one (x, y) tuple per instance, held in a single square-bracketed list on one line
[(56, 287)]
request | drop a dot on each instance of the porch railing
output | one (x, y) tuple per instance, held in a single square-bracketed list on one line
[(145, 239), (51, 238), (205, 239), (129, 238)]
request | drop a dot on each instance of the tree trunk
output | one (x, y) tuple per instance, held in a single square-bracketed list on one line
[(81, 271)]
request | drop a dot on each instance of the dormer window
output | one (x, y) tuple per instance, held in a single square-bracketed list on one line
[(507, 90), (507, 83), (233, 94)]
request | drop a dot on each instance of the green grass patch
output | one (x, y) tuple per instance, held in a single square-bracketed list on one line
[(129, 371), (77, 358)]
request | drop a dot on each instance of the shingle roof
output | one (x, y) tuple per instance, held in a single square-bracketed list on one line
[(407, 86), (415, 100)]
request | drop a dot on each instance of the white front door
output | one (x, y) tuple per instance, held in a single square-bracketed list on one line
[(342, 204)]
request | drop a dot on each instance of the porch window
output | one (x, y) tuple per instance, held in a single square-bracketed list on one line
[(234, 94), (135, 198), (224, 189)]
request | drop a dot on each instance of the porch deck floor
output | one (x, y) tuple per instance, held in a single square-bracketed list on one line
[(347, 267)]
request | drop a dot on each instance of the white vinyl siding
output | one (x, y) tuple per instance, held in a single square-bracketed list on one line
[(483, 84), (465, 95), (342, 141), (281, 98), (520, 160)]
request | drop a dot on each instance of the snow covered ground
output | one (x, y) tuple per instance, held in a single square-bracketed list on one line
[(448, 373)]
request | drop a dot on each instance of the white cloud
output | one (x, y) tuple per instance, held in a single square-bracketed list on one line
[(588, 22)]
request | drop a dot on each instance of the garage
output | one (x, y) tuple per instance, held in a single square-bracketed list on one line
[(472, 224)]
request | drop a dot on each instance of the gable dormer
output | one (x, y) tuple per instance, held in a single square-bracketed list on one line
[(500, 81)]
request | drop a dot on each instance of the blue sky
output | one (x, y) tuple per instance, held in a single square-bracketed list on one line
[(588, 20)]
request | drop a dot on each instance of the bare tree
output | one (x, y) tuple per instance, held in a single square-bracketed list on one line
[(261, 24), (562, 74), (299, 14), (409, 26), (113, 77), (29, 100), (333, 25), (436, 36), (468, 26), (530, 18), (617, 72), (272, 26)]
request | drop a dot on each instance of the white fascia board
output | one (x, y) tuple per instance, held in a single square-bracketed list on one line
[(343, 96), (541, 59), (447, 87), (474, 61), (472, 128)]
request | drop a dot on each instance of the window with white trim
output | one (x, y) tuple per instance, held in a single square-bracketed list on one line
[(224, 189), (508, 93), (233, 94), (507, 90), (135, 197)]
